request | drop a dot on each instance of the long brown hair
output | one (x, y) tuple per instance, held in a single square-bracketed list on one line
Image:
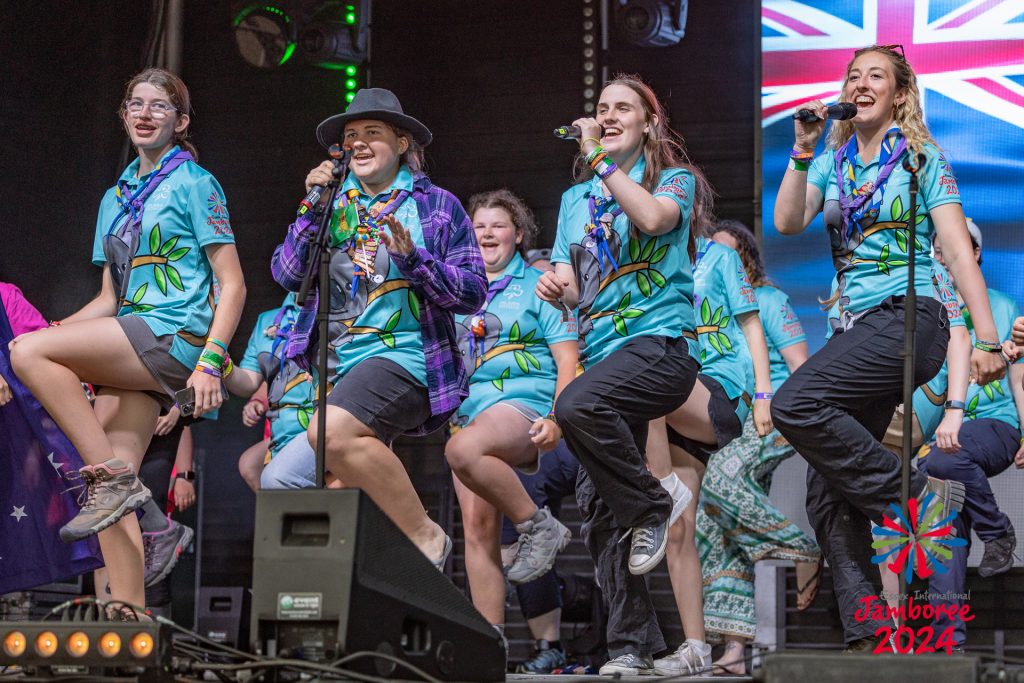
[(746, 247), (663, 148), (521, 215), (908, 115), (176, 92)]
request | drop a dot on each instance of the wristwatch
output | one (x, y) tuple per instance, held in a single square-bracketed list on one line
[(187, 475)]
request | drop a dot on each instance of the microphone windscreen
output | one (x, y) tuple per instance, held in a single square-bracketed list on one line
[(844, 111)]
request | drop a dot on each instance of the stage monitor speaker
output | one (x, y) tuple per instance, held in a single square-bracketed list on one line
[(836, 667), (223, 615), (332, 576)]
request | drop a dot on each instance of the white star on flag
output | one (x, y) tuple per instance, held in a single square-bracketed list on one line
[(56, 465), (18, 512)]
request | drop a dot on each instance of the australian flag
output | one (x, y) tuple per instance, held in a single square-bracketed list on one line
[(35, 458), (969, 59)]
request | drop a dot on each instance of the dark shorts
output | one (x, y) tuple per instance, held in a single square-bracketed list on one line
[(383, 396), (724, 420), (155, 354)]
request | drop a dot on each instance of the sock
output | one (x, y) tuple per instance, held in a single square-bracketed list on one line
[(701, 648), (153, 518), (669, 482)]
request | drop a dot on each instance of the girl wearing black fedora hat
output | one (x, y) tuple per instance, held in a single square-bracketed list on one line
[(404, 261)]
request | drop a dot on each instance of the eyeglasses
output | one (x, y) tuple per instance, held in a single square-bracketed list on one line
[(158, 109), (500, 226), (895, 47)]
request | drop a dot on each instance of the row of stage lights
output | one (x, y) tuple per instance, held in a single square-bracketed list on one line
[(60, 646)]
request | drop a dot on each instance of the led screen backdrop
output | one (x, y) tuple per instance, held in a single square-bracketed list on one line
[(969, 57)]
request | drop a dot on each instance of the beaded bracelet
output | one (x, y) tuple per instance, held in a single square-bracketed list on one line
[(991, 347), (763, 396), (218, 342)]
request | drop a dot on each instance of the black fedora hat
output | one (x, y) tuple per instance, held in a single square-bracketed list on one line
[(376, 104)]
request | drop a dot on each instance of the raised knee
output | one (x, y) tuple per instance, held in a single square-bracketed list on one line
[(940, 465), (789, 410), (458, 453), (570, 407), (23, 355)]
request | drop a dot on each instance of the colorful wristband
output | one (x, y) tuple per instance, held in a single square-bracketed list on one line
[(801, 166), (218, 342), (763, 396), (956, 405), (214, 359), (991, 347), (206, 369), (54, 323), (800, 155)]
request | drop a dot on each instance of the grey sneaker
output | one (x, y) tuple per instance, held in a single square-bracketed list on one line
[(693, 657), (111, 491), (998, 557), (628, 665), (544, 660), (540, 540), (161, 550), (647, 547)]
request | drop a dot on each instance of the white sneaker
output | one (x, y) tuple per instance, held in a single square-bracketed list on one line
[(693, 657), (681, 495)]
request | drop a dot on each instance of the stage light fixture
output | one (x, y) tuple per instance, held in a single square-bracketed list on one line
[(591, 43), (264, 34), (652, 23), (93, 648), (335, 36)]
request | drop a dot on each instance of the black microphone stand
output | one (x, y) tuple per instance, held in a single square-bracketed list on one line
[(912, 163), (321, 254)]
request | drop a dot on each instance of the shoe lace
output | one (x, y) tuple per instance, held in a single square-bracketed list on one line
[(643, 537), (524, 549), (86, 489), (547, 659), (147, 551), (689, 658)]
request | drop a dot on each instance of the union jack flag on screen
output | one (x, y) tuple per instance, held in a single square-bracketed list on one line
[(969, 58)]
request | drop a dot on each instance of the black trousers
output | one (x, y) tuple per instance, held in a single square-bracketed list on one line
[(834, 410), (603, 414)]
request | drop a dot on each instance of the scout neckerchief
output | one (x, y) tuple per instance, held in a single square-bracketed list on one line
[(366, 240), (477, 324), (133, 205), (857, 203), (599, 230)]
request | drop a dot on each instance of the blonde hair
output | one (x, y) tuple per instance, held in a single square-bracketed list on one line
[(908, 115)]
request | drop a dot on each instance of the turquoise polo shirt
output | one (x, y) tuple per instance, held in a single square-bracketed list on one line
[(651, 292), (291, 392), (513, 362), (871, 265), (995, 399), (723, 292), (781, 329), (170, 286), (383, 320)]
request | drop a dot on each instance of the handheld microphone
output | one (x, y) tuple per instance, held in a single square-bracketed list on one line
[(316, 193), (840, 111), (571, 132)]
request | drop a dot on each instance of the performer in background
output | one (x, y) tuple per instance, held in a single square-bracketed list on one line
[(519, 354), (162, 236), (989, 442), (621, 256), (835, 408), (404, 261)]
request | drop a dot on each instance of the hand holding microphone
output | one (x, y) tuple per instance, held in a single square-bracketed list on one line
[(320, 177)]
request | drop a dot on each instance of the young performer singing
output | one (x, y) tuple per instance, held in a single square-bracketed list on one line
[(835, 407), (404, 261), (621, 257)]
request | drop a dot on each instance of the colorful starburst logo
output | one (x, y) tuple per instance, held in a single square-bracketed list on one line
[(919, 543)]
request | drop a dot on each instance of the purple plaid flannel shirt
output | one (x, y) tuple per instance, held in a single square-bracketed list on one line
[(448, 276)]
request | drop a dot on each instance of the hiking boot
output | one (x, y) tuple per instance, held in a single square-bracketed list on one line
[(647, 547), (161, 550), (545, 660), (541, 538), (628, 665), (681, 495), (947, 491), (998, 557), (111, 491), (693, 657)]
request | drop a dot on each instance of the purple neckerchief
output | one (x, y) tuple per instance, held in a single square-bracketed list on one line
[(599, 248), (853, 204), (133, 205), (493, 290), (370, 218), (282, 333)]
